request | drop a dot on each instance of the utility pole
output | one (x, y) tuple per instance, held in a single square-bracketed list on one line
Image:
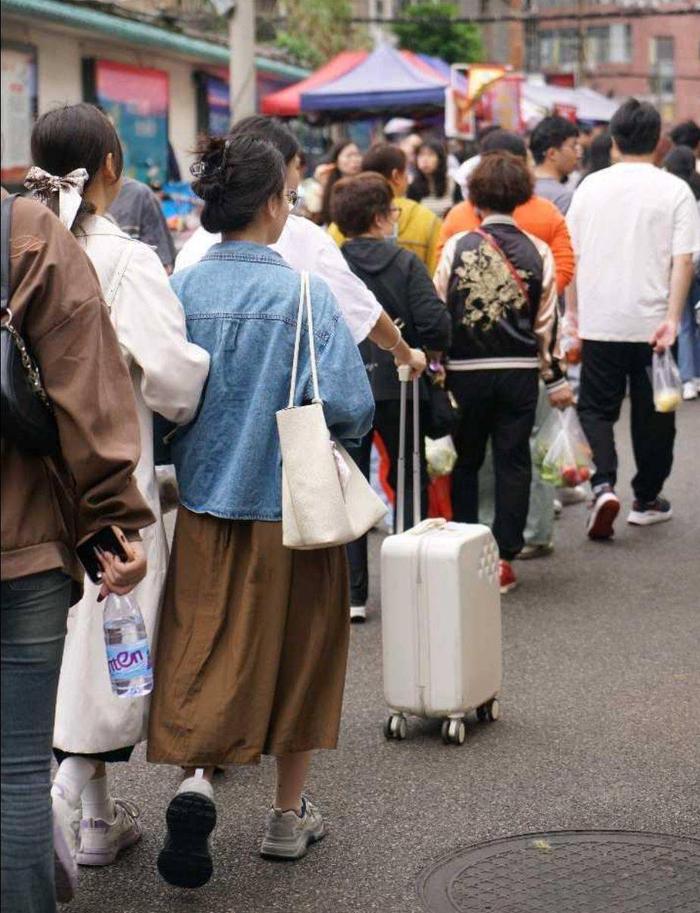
[(241, 40), (580, 44), (243, 88)]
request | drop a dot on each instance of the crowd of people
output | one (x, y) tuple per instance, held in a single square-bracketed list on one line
[(490, 279)]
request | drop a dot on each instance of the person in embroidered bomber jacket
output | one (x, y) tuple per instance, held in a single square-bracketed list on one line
[(499, 286)]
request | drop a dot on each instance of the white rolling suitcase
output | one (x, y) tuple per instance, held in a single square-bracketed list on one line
[(441, 614)]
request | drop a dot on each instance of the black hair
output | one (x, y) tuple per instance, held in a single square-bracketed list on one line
[(686, 134), (236, 176), (681, 162), (551, 133), (504, 141), (420, 185), (76, 136), (598, 154), (272, 130), (636, 127), (483, 132), (334, 176)]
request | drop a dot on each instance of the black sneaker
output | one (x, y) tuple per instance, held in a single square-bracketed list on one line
[(185, 860), (604, 510), (646, 513)]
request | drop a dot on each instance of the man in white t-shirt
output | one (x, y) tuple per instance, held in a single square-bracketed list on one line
[(305, 246), (634, 229)]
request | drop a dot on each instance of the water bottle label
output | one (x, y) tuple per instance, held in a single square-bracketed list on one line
[(128, 661)]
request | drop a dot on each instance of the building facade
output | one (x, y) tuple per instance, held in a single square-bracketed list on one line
[(159, 84), (646, 48)]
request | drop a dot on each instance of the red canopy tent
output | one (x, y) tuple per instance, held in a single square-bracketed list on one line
[(287, 102)]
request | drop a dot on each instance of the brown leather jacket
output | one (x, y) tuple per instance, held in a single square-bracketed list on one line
[(49, 505)]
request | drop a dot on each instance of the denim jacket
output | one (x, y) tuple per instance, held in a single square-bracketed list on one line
[(241, 302)]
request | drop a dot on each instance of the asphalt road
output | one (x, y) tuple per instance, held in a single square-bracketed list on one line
[(600, 729)]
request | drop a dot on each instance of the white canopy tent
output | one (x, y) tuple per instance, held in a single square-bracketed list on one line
[(538, 99)]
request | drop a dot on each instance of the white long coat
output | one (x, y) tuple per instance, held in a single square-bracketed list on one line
[(168, 374)]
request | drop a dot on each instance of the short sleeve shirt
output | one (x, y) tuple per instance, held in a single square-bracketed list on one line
[(627, 223)]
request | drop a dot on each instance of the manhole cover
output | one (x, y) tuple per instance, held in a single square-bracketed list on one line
[(568, 872)]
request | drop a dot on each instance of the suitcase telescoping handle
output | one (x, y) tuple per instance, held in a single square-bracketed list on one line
[(405, 380)]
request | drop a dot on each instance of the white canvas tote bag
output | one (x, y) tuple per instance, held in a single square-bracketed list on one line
[(323, 502)]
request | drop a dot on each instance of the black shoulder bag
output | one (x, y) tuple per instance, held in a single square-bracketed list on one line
[(27, 415)]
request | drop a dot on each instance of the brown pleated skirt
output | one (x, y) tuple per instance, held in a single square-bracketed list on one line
[(252, 647)]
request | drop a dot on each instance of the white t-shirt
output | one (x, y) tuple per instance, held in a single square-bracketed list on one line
[(627, 222), (305, 246)]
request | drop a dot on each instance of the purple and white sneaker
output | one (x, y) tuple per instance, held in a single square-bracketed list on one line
[(66, 823), (101, 841)]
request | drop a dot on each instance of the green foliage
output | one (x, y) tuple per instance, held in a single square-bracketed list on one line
[(323, 27), (432, 30), (298, 50)]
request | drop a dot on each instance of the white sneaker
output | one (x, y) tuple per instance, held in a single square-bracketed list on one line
[(288, 835), (657, 511), (576, 495), (358, 614), (66, 825), (690, 390), (101, 841)]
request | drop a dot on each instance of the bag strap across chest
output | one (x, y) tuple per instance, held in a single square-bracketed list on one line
[(519, 281)]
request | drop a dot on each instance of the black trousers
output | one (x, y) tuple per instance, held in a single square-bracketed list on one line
[(386, 422), (606, 369), (499, 405)]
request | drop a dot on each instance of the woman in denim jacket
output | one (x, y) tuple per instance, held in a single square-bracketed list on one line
[(253, 642)]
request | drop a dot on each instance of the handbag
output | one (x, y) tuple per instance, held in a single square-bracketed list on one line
[(27, 415), (319, 509)]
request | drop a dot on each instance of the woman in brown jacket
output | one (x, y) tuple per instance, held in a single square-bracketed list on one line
[(49, 505)]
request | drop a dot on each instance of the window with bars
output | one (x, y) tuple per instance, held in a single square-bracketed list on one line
[(662, 51)]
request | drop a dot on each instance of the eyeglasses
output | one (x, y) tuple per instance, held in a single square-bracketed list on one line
[(292, 197)]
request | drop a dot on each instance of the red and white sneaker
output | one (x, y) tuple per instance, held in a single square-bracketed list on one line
[(604, 510), (507, 576)]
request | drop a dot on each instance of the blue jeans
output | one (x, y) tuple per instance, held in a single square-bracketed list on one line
[(33, 617), (689, 337)]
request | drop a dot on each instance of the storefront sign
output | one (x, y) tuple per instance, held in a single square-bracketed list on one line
[(566, 111), (137, 101), (501, 103), (18, 111)]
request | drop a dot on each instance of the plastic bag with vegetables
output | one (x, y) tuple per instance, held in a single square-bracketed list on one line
[(563, 455)]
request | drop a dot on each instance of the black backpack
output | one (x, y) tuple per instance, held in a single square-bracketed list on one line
[(27, 415)]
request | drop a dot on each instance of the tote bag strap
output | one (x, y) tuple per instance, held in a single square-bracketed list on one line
[(118, 275), (304, 304)]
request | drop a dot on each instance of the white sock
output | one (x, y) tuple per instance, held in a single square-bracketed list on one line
[(97, 802), (197, 784), (73, 774)]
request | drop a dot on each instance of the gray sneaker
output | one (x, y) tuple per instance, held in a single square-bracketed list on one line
[(288, 835)]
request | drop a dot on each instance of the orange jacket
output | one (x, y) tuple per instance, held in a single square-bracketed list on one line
[(538, 216)]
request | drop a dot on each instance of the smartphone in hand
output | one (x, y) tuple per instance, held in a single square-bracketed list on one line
[(110, 539)]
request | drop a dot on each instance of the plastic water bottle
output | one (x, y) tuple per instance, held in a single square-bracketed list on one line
[(128, 655)]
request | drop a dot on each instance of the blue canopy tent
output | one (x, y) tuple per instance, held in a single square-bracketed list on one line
[(386, 78)]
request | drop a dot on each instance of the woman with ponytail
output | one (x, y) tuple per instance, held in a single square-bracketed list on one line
[(78, 167)]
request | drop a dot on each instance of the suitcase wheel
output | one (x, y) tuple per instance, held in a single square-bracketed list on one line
[(454, 732), (489, 712), (396, 727)]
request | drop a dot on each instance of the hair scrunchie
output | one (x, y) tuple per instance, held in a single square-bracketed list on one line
[(69, 189)]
